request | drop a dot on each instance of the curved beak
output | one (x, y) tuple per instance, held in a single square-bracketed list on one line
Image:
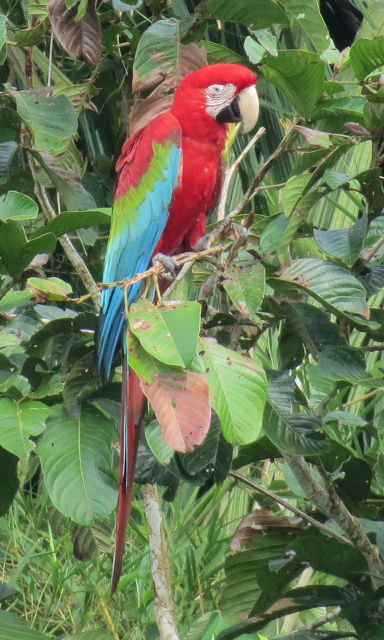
[(249, 108), (244, 108)]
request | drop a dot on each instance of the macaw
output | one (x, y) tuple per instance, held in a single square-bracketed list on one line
[(169, 177)]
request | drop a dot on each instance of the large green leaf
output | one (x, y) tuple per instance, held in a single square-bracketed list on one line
[(148, 324), (76, 456), (238, 391), (257, 15), (246, 288), (345, 244), (366, 55), (17, 206), (183, 322), (248, 576), (70, 221), (327, 282), (295, 432), (20, 421), (16, 252), (299, 75), (51, 120), (308, 18)]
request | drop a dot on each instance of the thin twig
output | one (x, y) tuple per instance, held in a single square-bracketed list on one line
[(284, 503), (231, 170), (69, 249), (370, 254), (161, 571)]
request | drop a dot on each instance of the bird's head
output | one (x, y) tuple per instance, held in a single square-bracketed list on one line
[(223, 92)]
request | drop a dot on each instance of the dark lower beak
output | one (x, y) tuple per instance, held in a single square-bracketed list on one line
[(231, 113)]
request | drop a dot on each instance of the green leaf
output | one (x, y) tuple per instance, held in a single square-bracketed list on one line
[(158, 50), (70, 221), (19, 421), (3, 32), (255, 52), (313, 327), (296, 433), (249, 577), (331, 557), (147, 323), (246, 288), (14, 299), (183, 322), (217, 53), (16, 252), (293, 191), (366, 55), (238, 391), (337, 363), (257, 15), (309, 20), (345, 244), (299, 75), (16, 206), (346, 293), (206, 627), (51, 120), (8, 153), (9, 481), (76, 457), (14, 628), (52, 288)]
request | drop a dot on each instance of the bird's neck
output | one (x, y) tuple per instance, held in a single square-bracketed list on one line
[(198, 125)]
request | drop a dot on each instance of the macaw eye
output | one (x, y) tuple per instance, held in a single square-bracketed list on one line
[(216, 89)]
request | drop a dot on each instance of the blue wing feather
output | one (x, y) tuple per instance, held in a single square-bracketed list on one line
[(137, 225)]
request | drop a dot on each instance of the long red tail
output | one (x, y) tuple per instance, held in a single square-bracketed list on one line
[(133, 405)]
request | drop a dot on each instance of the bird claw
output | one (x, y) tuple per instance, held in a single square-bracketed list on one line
[(170, 265)]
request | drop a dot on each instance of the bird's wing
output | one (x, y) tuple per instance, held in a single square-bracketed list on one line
[(149, 168)]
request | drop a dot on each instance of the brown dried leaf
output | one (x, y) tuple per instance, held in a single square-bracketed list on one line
[(182, 406), (162, 81), (81, 38), (260, 522)]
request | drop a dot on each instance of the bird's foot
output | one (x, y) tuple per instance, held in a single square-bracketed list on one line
[(170, 265)]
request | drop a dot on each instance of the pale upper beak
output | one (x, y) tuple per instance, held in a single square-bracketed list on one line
[(249, 108), (244, 108)]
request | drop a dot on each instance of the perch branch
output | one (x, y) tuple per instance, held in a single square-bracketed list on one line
[(161, 571)]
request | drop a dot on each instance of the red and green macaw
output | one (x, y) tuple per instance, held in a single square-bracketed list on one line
[(169, 177)]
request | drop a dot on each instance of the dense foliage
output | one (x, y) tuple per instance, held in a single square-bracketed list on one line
[(287, 328)]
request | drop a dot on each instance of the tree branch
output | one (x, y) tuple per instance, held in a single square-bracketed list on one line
[(290, 507), (69, 249), (327, 500), (161, 572)]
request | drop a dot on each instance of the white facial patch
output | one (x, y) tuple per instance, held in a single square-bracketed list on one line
[(219, 96)]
